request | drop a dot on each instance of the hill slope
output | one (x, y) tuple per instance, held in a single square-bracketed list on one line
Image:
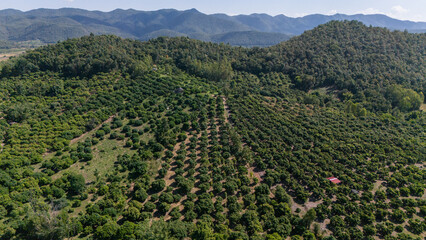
[(110, 138)]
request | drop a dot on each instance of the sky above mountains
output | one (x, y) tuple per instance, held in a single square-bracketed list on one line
[(414, 10)]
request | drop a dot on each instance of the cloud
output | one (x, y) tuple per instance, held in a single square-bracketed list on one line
[(296, 15), (400, 12), (332, 12), (371, 11), (398, 9), (418, 17), (397, 12), (70, 1)]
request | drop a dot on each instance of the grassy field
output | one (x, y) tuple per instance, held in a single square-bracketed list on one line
[(12, 49), (5, 54), (104, 155)]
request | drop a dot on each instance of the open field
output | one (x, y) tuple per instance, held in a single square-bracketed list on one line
[(8, 53)]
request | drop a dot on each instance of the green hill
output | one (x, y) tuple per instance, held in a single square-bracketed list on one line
[(110, 138)]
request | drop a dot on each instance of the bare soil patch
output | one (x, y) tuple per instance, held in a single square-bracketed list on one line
[(6, 56)]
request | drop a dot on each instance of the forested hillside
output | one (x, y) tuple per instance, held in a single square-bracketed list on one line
[(53, 25), (174, 138)]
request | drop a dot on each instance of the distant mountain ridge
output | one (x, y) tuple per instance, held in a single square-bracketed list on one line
[(50, 25), (296, 26)]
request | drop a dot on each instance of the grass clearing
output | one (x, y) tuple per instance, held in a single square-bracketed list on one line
[(105, 154), (5, 55)]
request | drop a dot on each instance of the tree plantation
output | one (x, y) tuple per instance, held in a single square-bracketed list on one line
[(109, 138)]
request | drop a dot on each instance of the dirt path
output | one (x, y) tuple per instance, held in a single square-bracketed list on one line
[(169, 179), (93, 130), (227, 112), (304, 207), (377, 186)]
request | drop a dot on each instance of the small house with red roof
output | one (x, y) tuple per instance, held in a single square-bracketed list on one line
[(334, 180)]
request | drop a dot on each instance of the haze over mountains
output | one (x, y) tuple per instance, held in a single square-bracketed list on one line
[(50, 25)]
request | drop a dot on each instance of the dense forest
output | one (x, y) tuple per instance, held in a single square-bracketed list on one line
[(110, 138)]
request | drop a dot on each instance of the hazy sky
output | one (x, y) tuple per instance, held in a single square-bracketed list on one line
[(400, 9)]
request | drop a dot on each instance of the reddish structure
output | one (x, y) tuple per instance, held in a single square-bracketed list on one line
[(334, 180)]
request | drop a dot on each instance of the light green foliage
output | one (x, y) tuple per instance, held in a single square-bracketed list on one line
[(405, 99)]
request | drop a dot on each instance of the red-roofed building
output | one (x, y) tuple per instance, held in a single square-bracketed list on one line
[(334, 180)]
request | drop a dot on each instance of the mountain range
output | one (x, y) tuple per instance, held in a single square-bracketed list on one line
[(50, 25)]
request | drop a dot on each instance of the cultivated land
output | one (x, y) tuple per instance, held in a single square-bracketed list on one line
[(5, 55), (108, 138)]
